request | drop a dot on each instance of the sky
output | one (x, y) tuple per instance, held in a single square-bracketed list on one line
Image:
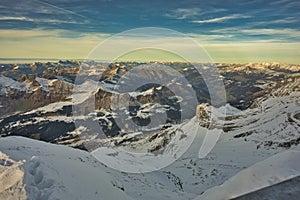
[(229, 30)]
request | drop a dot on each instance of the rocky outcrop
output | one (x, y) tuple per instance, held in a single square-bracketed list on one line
[(203, 114)]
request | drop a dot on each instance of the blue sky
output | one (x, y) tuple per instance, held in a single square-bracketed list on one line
[(212, 23)]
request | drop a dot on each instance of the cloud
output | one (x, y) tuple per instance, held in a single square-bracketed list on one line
[(247, 33), (221, 19), (190, 13), (287, 4), (63, 10), (224, 36), (289, 32), (3, 18), (287, 20), (204, 38), (281, 2), (40, 20), (32, 7), (184, 13), (40, 12)]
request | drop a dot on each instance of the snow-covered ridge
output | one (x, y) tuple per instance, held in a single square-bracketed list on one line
[(6, 83), (44, 83)]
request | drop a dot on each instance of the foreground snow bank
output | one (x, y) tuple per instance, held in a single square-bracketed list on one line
[(276, 169), (54, 172)]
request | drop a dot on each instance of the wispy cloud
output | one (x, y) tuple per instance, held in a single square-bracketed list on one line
[(184, 13), (54, 7), (40, 20), (221, 19), (190, 13), (281, 2), (209, 37), (261, 34), (289, 32), (287, 20), (3, 18), (286, 4), (39, 12)]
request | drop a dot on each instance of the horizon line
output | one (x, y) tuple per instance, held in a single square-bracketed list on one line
[(116, 61)]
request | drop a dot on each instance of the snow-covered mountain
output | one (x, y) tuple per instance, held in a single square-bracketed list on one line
[(259, 127)]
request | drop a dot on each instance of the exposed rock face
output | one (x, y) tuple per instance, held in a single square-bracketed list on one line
[(18, 100), (103, 100), (59, 89), (33, 85)]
